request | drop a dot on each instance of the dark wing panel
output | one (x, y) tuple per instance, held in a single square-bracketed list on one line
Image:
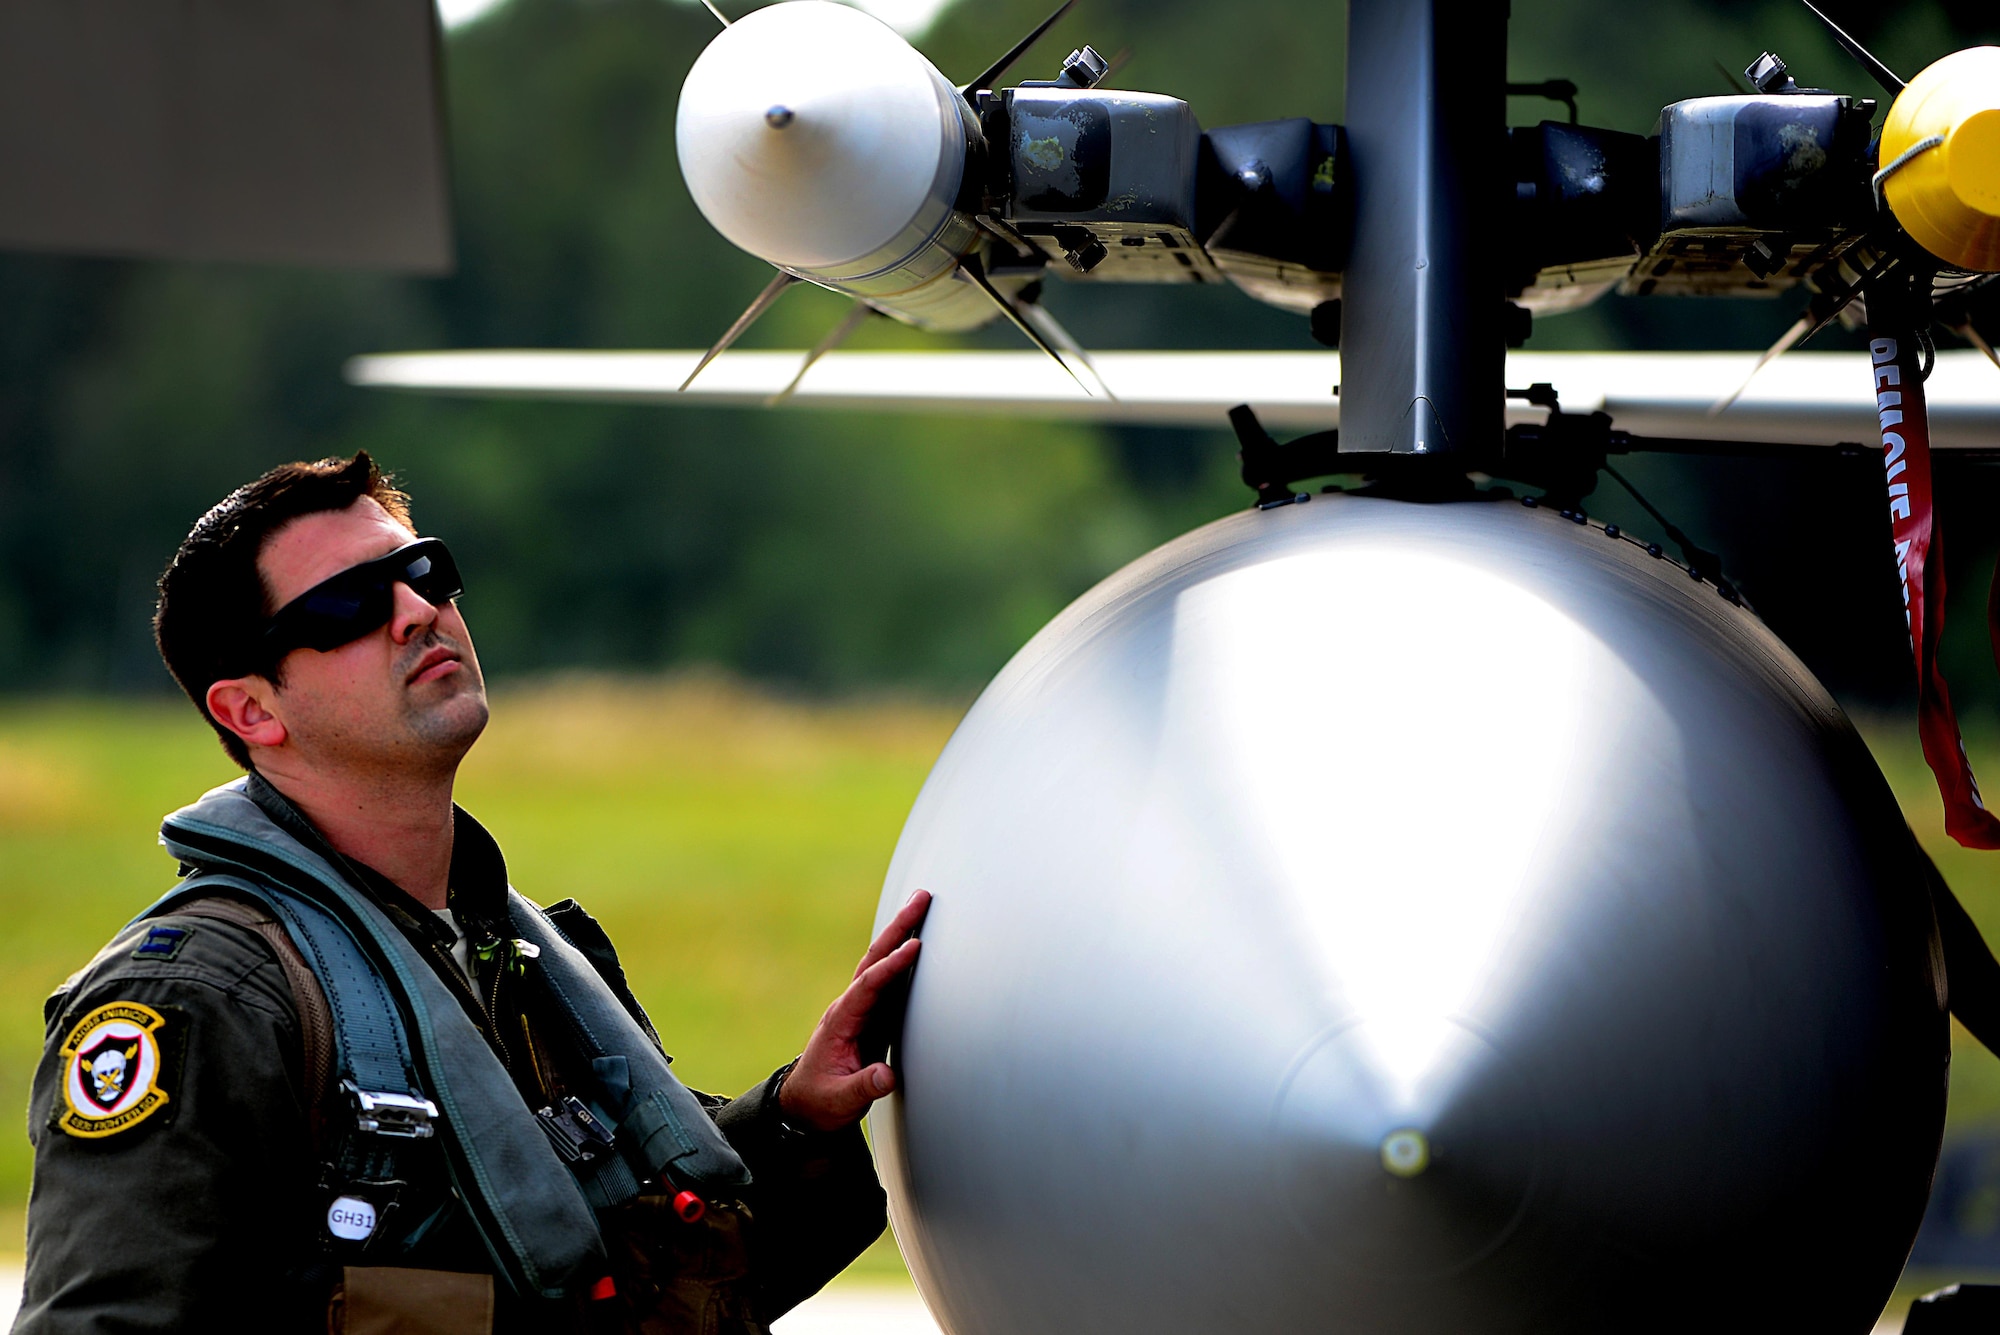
[(294, 132)]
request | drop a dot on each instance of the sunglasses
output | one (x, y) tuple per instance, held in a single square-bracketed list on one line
[(361, 598)]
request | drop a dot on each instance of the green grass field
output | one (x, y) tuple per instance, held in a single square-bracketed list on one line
[(732, 843)]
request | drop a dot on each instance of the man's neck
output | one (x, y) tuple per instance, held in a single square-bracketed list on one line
[(402, 829)]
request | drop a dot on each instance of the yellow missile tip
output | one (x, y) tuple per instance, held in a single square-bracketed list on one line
[(1941, 159)]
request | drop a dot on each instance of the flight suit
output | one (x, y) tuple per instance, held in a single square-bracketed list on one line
[(175, 1119)]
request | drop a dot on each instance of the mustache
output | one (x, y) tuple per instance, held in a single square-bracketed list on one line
[(433, 638)]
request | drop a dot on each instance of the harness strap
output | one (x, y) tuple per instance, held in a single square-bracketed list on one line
[(371, 1052), (308, 997), (661, 1125), (399, 1028), (530, 1212), (606, 1183)]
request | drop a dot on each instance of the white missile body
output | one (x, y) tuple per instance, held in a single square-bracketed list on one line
[(815, 138)]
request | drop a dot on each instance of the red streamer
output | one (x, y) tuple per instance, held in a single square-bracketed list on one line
[(1906, 458)]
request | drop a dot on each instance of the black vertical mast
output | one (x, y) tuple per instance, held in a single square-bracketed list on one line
[(1423, 356)]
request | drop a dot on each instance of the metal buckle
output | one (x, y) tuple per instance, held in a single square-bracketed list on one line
[(578, 1136), (404, 1116)]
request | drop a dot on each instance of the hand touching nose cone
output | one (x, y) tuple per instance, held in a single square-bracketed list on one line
[(833, 1084)]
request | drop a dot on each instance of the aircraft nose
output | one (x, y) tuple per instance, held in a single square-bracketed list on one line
[(1276, 982), (1404, 1178)]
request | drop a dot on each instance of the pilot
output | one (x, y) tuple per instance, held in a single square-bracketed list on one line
[(343, 1077)]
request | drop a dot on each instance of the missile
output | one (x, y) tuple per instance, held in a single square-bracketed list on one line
[(814, 137), (1940, 172)]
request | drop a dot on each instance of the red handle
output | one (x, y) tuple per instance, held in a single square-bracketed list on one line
[(689, 1207)]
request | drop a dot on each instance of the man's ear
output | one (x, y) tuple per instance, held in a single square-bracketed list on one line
[(243, 705)]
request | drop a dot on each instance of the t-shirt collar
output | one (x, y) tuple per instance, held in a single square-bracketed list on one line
[(478, 893)]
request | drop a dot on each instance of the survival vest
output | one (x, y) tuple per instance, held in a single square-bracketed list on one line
[(412, 1068)]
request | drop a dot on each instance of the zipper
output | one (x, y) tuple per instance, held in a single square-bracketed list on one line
[(490, 955), (508, 958)]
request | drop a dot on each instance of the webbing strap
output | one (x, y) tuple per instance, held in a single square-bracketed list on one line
[(533, 1210), (527, 1207), (315, 1016), (606, 1183), (661, 1124), (371, 1049)]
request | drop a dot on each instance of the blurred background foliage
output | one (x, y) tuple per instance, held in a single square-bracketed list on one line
[(819, 551)]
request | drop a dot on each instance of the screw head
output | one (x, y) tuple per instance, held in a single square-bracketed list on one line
[(1406, 1153), (1767, 74), (779, 117)]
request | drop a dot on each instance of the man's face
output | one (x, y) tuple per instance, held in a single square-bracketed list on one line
[(406, 693)]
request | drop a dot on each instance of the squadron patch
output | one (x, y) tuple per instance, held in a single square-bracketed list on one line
[(111, 1070)]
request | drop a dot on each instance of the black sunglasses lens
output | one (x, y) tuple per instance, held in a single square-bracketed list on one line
[(434, 575), (329, 617), (357, 600), (335, 604)]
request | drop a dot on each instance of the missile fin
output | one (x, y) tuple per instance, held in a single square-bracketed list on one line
[(1051, 328), (772, 291), (986, 77), (1799, 329), (1970, 333), (1881, 73), (976, 274), (836, 336)]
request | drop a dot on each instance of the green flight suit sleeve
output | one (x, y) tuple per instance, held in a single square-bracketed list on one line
[(815, 1201), (178, 1212)]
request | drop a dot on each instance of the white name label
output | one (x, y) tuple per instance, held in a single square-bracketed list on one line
[(350, 1218)]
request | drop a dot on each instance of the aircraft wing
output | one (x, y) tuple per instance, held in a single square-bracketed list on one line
[(294, 132), (1803, 398)]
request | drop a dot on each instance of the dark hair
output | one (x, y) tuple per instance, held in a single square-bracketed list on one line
[(213, 603)]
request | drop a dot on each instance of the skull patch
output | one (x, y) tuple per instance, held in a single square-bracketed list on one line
[(111, 1070)]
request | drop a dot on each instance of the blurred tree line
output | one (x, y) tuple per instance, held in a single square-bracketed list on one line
[(826, 551)]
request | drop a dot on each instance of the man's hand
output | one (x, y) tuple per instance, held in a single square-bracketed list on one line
[(831, 1087)]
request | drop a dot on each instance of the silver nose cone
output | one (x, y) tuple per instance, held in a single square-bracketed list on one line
[(1378, 917)]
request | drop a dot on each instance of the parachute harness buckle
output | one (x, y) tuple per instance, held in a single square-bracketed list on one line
[(382, 1113)]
